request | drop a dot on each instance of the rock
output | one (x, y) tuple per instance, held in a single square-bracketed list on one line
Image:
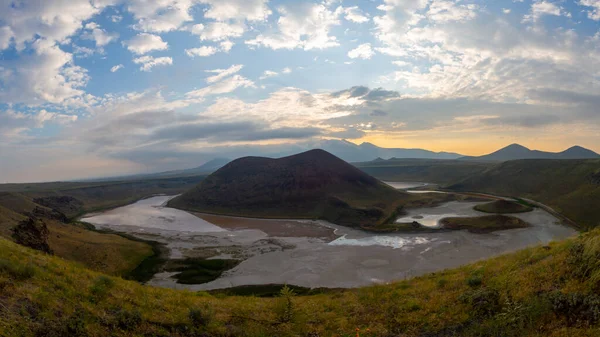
[(64, 204), (32, 233)]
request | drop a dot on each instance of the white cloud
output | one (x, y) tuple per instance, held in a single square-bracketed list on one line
[(201, 51), (5, 36), (302, 25), (251, 10), (594, 13), (224, 46), (99, 35), (116, 68), (446, 11), (217, 31), (225, 86), (506, 10), (269, 73), (286, 70), (52, 20), (543, 8), (363, 51), (144, 43), (222, 73), (149, 62), (47, 75), (160, 16), (354, 14)]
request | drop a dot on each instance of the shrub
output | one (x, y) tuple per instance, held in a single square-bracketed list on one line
[(100, 288), (200, 317), (474, 280), (17, 271), (576, 307), (128, 320), (485, 302), (285, 306)]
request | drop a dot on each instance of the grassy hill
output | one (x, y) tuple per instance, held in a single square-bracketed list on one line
[(541, 291), (313, 184), (54, 203), (571, 187), (423, 170)]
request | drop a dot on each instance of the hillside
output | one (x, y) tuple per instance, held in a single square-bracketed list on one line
[(56, 205), (516, 151), (571, 187), (313, 184), (541, 291), (422, 170)]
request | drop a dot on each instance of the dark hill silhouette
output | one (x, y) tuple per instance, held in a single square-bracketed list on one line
[(312, 184), (516, 151)]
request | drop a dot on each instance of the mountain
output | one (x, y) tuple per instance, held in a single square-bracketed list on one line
[(366, 151), (312, 184), (516, 151)]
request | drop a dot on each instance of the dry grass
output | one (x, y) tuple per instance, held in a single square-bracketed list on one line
[(520, 292)]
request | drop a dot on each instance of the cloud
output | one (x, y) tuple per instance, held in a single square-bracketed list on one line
[(251, 10), (143, 43), (45, 75), (286, 70), (201, 51), (116, 68), (149, 62), (269, 73), (217, 31), (225, 86), (354, 14), (51, 20), (99, 35), (594, 13), (222, 73), (160, 16), (301, 25), (363, 51), (224, 46), (543, 8), (442, 11)]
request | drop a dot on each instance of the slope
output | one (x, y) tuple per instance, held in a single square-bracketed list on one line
[(541, 291), (571, 187), (313, 184)]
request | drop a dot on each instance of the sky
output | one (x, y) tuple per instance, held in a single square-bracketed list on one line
[(94, 88)]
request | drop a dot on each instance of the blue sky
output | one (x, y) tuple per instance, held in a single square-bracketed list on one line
[(102, 87)]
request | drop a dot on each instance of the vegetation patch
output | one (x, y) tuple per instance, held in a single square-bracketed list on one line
[(483, 224), (197, 270), (503, 206)]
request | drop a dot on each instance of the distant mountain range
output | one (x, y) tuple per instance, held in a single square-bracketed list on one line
[(366, 151), (516, 151)]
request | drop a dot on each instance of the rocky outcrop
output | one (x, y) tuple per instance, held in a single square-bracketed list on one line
[(63, 204), (46, 213), (32, 233)]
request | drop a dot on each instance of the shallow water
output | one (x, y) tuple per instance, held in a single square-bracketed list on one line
[(151, 213), (355, 258)]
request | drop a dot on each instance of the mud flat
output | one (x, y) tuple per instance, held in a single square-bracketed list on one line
[(316, 253)]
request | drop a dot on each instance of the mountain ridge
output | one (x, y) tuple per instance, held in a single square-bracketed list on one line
[(517, 152)]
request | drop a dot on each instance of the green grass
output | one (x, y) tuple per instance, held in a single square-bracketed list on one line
[(540, 291), (503, 207), (483, 224)]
